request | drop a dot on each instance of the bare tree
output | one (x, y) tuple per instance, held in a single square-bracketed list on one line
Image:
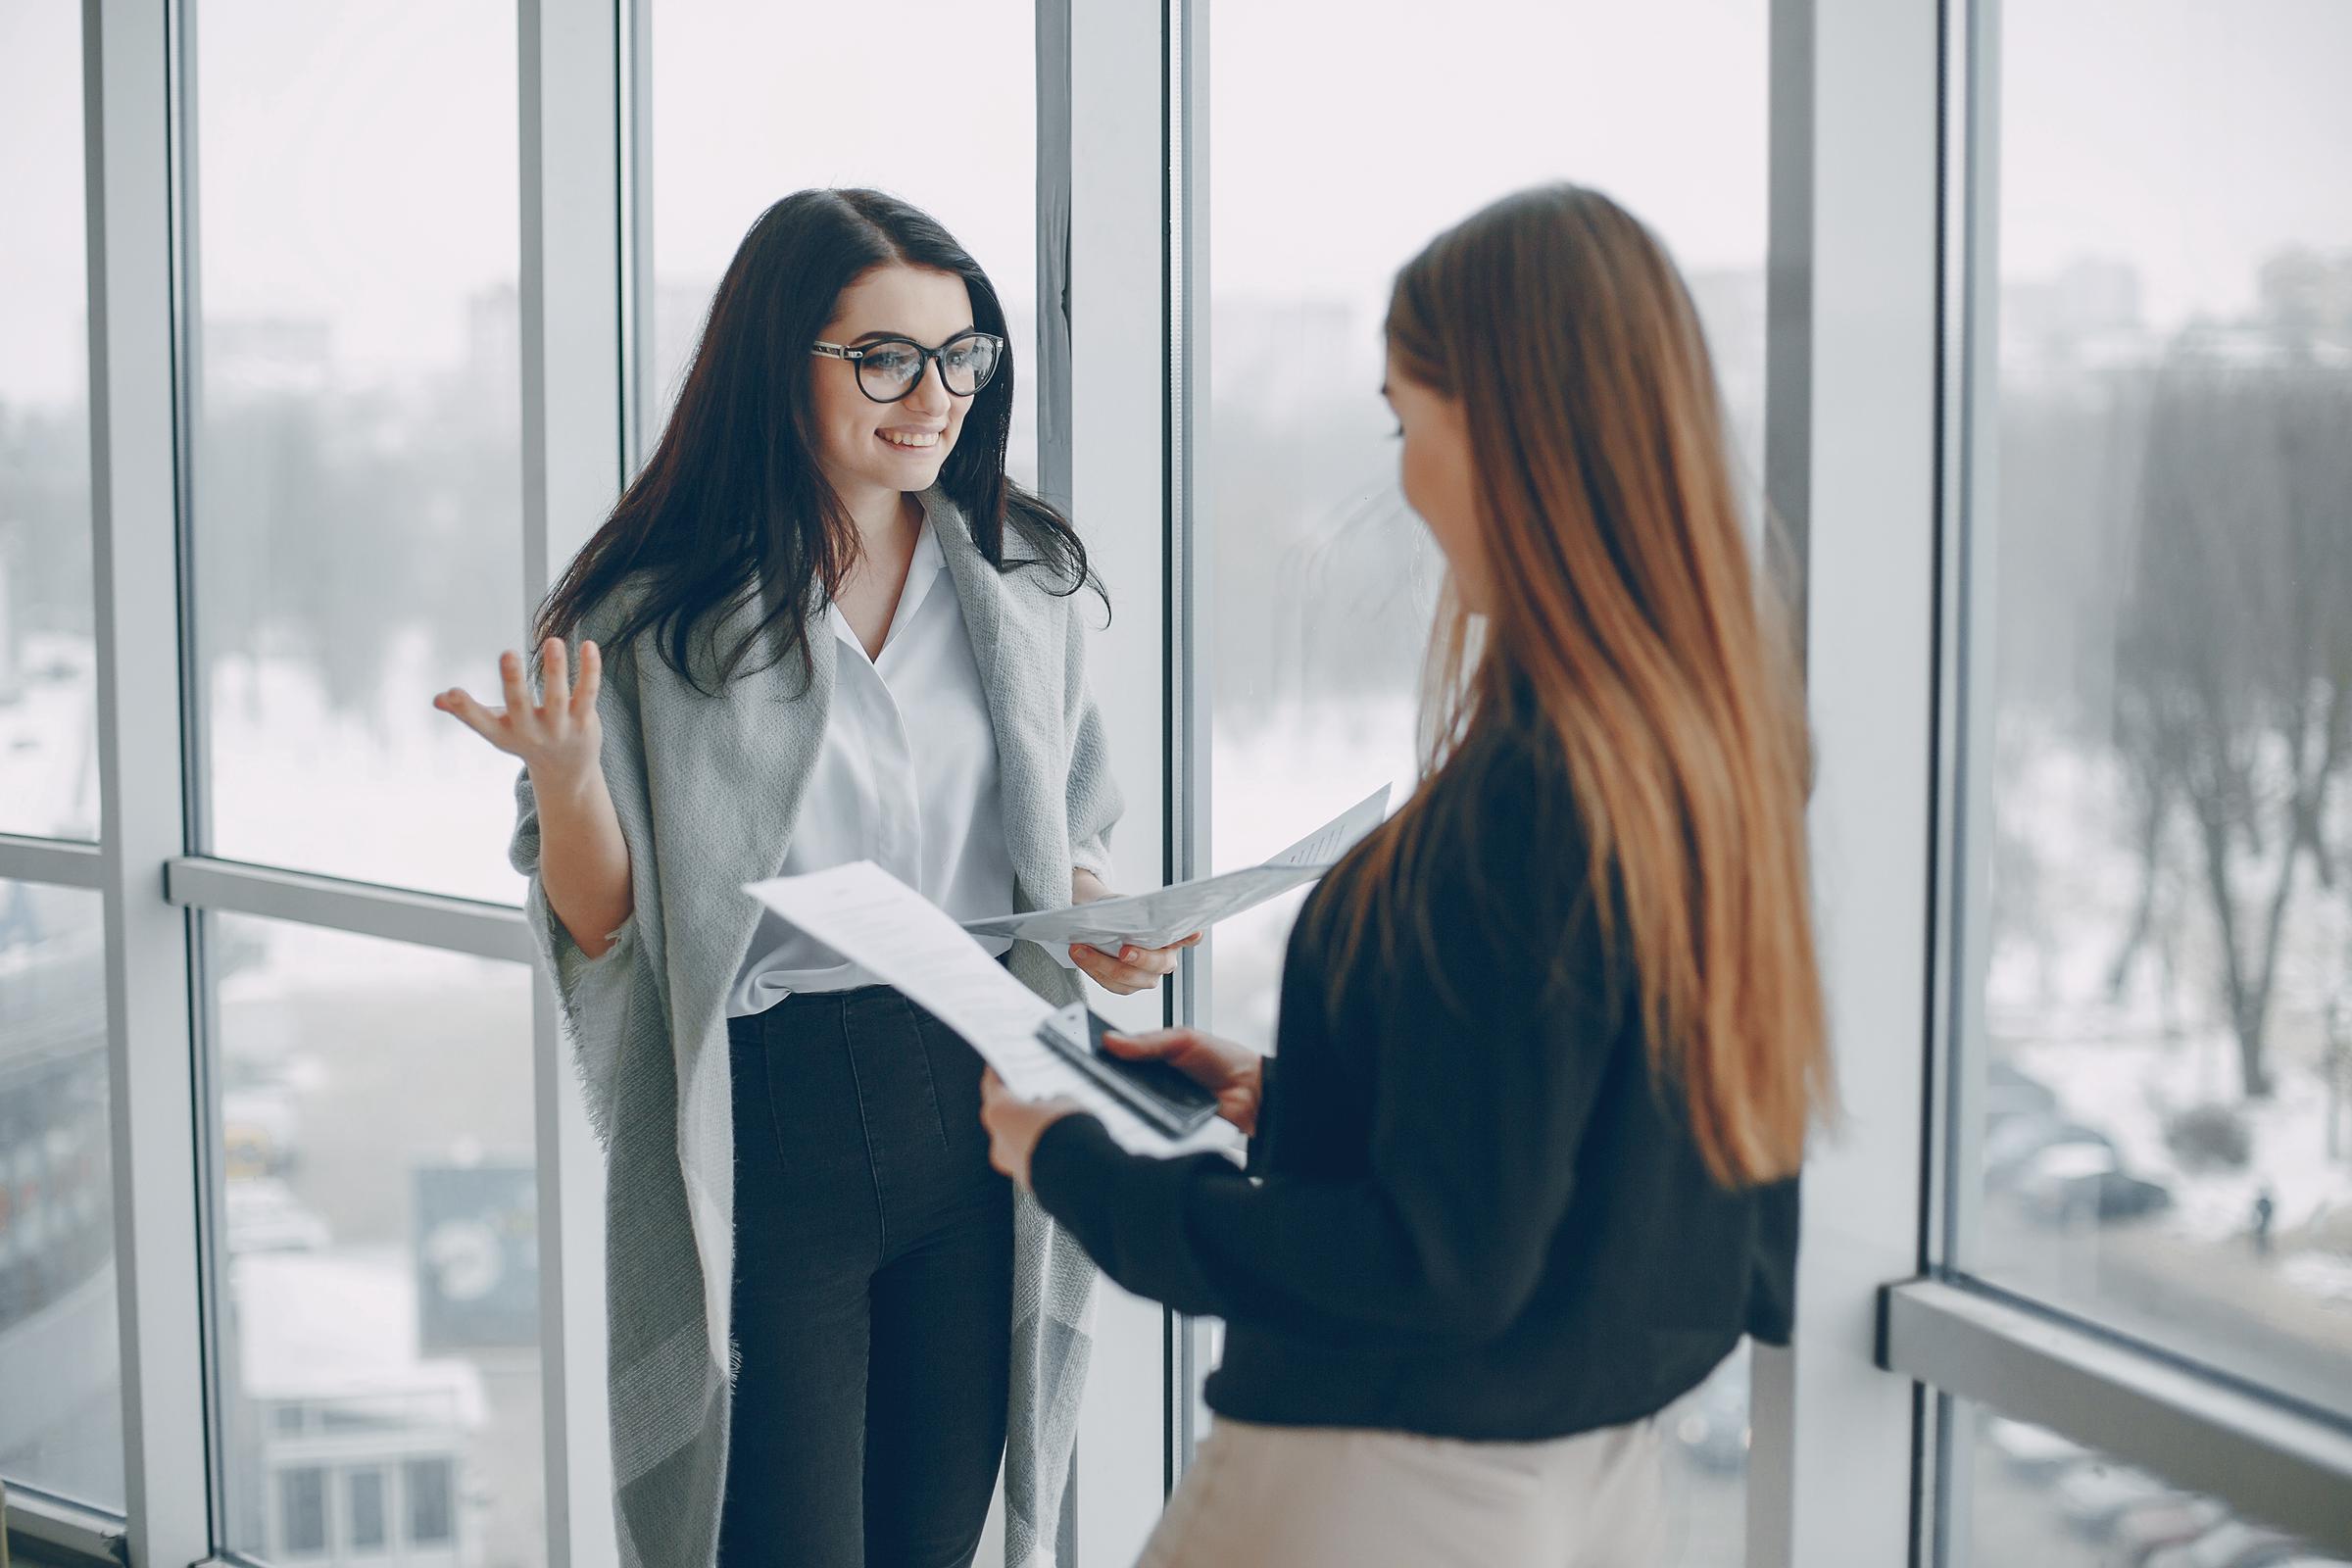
[(2233, 697)]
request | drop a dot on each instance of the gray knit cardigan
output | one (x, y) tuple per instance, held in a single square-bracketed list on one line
[(708, 789)]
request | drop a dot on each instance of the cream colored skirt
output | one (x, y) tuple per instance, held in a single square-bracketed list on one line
[(1345, 1498)]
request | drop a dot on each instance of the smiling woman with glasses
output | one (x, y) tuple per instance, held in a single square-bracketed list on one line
[(822, 626)]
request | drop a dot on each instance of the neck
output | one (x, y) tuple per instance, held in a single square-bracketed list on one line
[(885, 518)]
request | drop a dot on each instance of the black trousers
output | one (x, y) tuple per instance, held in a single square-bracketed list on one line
[(873, 1289)]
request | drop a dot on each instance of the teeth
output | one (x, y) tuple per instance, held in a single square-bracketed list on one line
[(924, 438)]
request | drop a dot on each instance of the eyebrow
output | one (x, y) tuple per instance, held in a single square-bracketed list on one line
[(909, 337)]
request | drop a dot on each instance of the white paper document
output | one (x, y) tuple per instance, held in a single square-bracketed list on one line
[(1155, 919), (873, 919)]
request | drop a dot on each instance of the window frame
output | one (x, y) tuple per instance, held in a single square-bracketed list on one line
[(1874, 455), (1970, 1344)]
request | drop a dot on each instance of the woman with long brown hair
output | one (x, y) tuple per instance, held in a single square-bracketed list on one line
[(1521, 1168)]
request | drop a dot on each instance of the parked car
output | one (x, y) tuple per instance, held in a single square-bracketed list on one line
[(2010, 1093), (2094, 1494), (2010, 1147), (2083, 1182), (2145, 1529), (2034, 1452), (265, 1216), (2231, 1543)]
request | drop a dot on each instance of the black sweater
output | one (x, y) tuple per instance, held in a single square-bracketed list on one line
[(1468, 1211)]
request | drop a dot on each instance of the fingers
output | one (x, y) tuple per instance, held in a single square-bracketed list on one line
[(555, 672), (592, 678), (1148, 1043), (473, 715), (1155, 962), (518, 696), (1114, 974)]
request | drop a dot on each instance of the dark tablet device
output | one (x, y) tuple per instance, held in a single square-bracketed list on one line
[(1160, 1094)]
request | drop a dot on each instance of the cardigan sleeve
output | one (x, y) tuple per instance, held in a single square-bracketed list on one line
[(594, 996), (1484, 1089), (1093, 802)]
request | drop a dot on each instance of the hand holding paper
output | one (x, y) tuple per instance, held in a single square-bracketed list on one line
[(1155, 919), (873, 919)]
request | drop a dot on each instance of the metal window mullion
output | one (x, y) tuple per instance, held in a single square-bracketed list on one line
[(573, 144), (2285, 1465), (1968, 434), (392, 915), (1117, 366), (1850, 450), (640, 399), (52, 863), (1049, 375), (63, 1530), (128, 65), (1191, 651)]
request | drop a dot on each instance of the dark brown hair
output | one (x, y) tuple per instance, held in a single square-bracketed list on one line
[(732, 495)]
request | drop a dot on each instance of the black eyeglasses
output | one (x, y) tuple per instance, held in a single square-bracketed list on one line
[(889, 367)]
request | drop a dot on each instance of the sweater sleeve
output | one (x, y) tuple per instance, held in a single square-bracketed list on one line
[(1092, 802), (594, 996), (1484, 1089)]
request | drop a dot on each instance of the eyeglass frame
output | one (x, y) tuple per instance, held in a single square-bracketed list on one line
[(929, 358)]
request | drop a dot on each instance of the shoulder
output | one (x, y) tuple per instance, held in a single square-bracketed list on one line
[(610, 613), (1503, 870)]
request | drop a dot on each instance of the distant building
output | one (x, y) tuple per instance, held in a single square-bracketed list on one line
[(356, 1444), (246, 355), (2307, 295)]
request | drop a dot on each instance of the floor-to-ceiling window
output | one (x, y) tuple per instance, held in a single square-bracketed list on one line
[(355, 395), (61, 1425), (2154, 1003)]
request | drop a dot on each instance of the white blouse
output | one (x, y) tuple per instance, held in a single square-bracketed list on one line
[(905, 778)]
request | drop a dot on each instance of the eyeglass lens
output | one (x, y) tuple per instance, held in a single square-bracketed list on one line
[(890, 371)]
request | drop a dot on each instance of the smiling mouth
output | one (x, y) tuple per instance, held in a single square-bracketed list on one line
[(910, 440)]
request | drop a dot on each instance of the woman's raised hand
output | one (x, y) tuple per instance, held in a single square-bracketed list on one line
[(1234, 1074), (556, 737)]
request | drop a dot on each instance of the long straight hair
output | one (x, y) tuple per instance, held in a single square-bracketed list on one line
[(1630, 635), (733, 495)]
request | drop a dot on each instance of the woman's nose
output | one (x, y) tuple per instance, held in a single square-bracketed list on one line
[(930, 394)]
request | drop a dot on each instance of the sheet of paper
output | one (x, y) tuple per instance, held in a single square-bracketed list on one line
[(873, 919), (1172, 914), (1323, 847)]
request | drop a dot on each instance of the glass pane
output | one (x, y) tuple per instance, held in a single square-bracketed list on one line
[(1323, 584), (367, 1508), (357, 485), (2164, 1004), (429, 1523), (755, 100), (302, 1511), (61, 1424), (380, 1256), (48, 691), (2036, 1498)]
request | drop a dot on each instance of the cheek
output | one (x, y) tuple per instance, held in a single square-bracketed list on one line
[(845, 422), (1431, 485), (1437, 486)]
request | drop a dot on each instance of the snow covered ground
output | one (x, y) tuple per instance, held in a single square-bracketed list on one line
[(2129, 1062)]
